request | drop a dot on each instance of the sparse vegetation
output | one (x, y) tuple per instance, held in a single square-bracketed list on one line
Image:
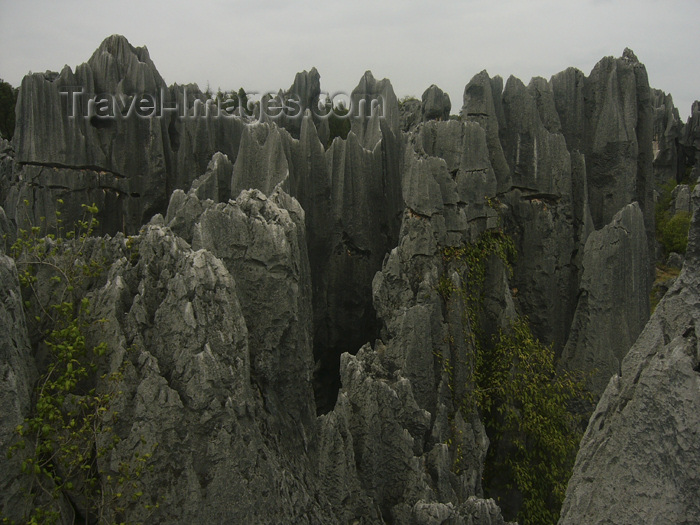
[(64, 443), (524, 402)]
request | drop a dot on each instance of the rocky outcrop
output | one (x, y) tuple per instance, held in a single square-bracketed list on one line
[(482, 104), (305, 93), (217, 359), (639, 458), (435, 104), (402, 428), (294, 277), (613, 304), (680, 200), (690, 141), (58, 129), (668, 164), (608, 117), (17, 378)]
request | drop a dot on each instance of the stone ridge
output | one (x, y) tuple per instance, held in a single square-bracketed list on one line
[(639, 458), (276, 308)]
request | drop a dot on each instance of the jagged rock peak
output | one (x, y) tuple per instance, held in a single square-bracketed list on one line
[(119, 47), (370, 89), (628, 54), (436, 104), (117, 64)]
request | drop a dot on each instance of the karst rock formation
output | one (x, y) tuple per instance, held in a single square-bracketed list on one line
[(270, 297)]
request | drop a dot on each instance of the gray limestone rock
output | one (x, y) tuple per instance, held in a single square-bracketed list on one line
[(542, 217), (463, 147), (543, 94), (216, 392), (376, 98), (262, 242), (262, 160), (17, 378), (613, 304), (667, 132), (538, 158), (675, 260), (305, 91), (435, 104), (215, 184), (639, 458), (55, 130), (680, 200), (691, 132), (608, 117), (409, 113), (483, 105), (568, 88)]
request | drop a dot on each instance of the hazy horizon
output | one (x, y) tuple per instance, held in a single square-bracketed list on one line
[(261, 46)]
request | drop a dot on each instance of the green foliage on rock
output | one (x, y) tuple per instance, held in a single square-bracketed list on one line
[(65, 442), (524, 402), (671, 229), (674, 232), (534, 435)]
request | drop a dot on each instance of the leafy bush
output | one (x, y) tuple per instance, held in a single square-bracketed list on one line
[(534, 437), (674, 232), (523, 400)]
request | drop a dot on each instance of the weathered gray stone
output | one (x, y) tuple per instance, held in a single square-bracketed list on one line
[(130, 151), (435, 104), (541, 91), (680, 200), (538, 159), (262, 160), (667, 132), (608, 117), (261, 240), (421, 191), (409, 113), (613, 304), (483, 105), (639, 458), (569, 99), (305, 91), (370, 98), (675, 260), (196, 378), (17, 377), (215, 184)]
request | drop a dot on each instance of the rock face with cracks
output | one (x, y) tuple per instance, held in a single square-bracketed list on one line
[(286, 355), (638, 460)]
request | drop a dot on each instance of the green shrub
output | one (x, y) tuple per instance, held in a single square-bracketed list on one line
[(524, 402), (534, 436), (674, 232)]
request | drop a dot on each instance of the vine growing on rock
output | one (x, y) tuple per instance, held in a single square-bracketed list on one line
[(65, 442), (523, 401)]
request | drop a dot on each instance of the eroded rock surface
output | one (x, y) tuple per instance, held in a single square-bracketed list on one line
[(640, 455)]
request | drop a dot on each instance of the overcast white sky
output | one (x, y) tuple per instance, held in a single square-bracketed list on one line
[(260, 44)]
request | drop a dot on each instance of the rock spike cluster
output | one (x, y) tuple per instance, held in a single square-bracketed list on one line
[(281, 330)]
